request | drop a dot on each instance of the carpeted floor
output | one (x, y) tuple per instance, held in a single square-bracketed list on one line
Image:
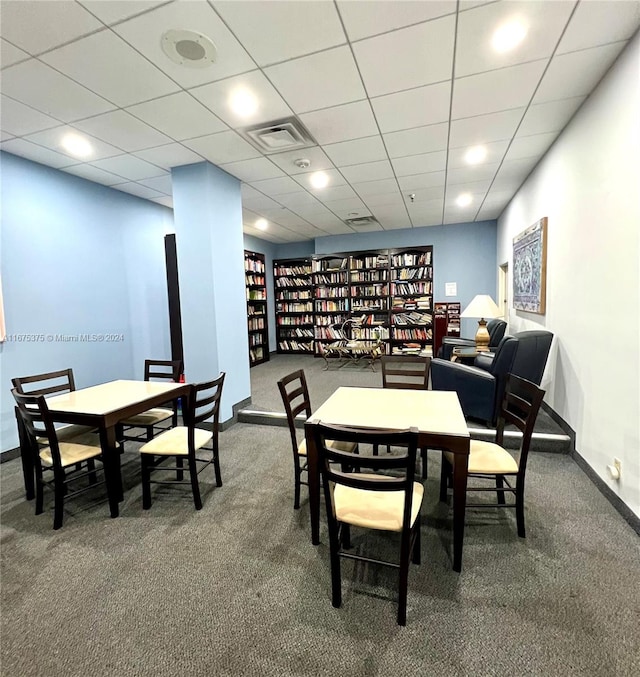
[(237, 588)]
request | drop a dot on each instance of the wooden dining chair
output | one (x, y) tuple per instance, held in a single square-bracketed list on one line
[(149, 421), (385, 501), (295, 397), (187, 442), (68, 460), (407, 372), (491, 461)]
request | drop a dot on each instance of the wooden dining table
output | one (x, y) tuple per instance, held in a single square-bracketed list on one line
[(436, 414), (103, 407)]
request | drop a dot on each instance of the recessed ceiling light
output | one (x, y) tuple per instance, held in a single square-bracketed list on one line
[(464, 200), (262, 224), (319, 180), (508, 36), (243, 102), (188, 48), (475, 155), (77, 145)]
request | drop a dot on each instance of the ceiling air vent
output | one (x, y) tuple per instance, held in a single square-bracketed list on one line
[(361, 221), (279, 136)]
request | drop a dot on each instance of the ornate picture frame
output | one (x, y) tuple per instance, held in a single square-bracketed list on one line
[(530, 268)]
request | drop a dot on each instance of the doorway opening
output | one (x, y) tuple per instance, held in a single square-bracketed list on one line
[(503, 290)]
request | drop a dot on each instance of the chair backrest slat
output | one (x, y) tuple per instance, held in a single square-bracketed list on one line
[(38, 424), (57, 382), (295, 397), (169, 370), (407, 372), (203, 403)]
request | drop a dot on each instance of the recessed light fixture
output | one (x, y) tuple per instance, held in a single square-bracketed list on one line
[(243, 102), (464, 200), (475, 155), (319, 180), (262, 224), (188, 48), (77, 145), (508, 36)]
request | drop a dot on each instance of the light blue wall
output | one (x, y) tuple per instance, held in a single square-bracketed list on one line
[(464, 253), (78, 258), (208, 225)]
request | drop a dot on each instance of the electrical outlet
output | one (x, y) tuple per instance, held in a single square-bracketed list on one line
[(617, 463)]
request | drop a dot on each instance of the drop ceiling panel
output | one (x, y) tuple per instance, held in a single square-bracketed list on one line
[(337, 228), (417, 181), (111, 12), (549, 117), (475, 173), (315, 155), (253, 170), (381, 187), (413, 108), (318, 81), (418, 140), (585, 29), (344, 208), (276, 186), (217, 97), (495, 153), (18, 119), (419, 164), (341, 123), (368, 171), (530, 146), (170, 155), (424, 194), (374, 202), (495, 91), (50, 92), (160, 183), (145, 33), (334, 193), (302, 200), (94, 174), (179, 116), (370, 17), (259, 202), (115, 71), (52, 139), (165, 201), (129, 166), (543, 20), (138, 190), (335, 179), (124, 131), (407, 58), (345, 153), (577, 73), (10, 54), (223, 147), (33, 151), (302, 28), (485, 128), (39, 26), (478, 188)]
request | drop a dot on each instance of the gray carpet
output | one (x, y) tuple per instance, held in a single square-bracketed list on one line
[(237, 588)]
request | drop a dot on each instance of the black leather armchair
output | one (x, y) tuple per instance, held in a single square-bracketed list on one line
[(481, 387), (496, 329)]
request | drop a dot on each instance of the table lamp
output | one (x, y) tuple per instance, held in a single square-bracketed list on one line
[(482, 306)]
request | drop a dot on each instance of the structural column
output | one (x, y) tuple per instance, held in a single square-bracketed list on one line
[(207, 209)]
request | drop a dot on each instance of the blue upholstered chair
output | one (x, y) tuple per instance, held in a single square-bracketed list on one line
[(496, 329)]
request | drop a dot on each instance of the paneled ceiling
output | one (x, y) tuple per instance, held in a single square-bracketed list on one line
[(393, 93)]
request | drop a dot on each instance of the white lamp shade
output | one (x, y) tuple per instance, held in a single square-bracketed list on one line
[(482, 306)]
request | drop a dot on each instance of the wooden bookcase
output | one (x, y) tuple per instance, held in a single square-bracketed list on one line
[(257, 325), (330, 278), (387, 294), (294, 305), (411, 291), (446, 319)]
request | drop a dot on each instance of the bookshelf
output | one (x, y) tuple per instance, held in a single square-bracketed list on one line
[(369, 294), (257, 326), (294, 306), (411, 293), (330, 279), (446, 318)]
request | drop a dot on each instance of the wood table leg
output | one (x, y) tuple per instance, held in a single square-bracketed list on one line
[(313, 472), (111, 462), (28, 471), (460, 467)]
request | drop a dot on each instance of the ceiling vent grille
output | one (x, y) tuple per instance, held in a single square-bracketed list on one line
[(279, 136), (361, 221)]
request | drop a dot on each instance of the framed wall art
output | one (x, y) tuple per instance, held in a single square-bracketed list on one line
[(530, 268)]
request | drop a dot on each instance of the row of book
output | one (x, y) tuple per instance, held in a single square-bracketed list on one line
[(414, 334), (296, 345), (369, 290), (412, 273), (256, 294), (252, 311), (413, 317), (292, 270), (319, 265), (331, 278), (331, 333), (410, 303), (253, 265), (297, 333), (294, 320), (376, 261), (332, 306), (328, 320), (331, 292), (292, 282), (294, 307), (255, 340), (256, 323), (410, 288), (371, 333), (370, 276), (294, 295), (411, 259)]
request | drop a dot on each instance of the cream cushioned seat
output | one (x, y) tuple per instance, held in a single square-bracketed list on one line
[(375, 509), (67, 432), (149, 417), (82, 448), (174, 442), (349, 447), (488, 458)]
